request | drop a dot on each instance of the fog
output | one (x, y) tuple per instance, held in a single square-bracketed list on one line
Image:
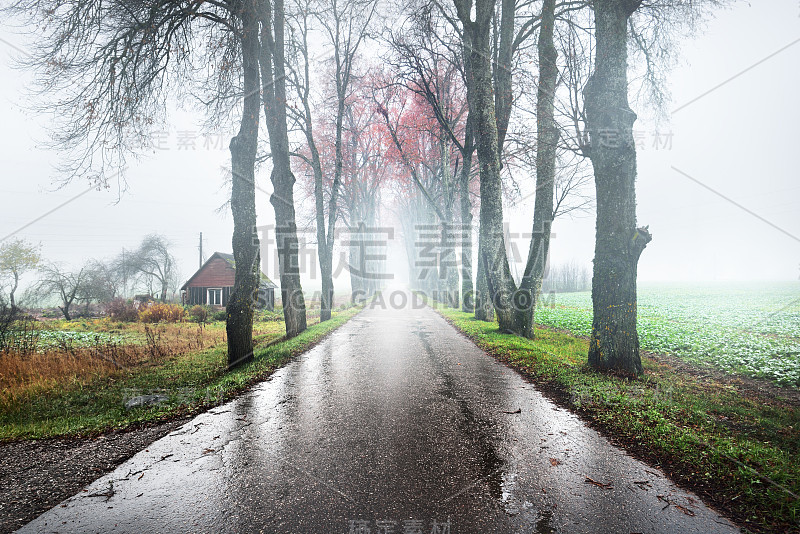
[(733, 131)]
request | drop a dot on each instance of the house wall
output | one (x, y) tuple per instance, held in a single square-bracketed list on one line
[(199, 295)]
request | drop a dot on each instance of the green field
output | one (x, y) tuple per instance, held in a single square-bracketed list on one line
[(753, 329)]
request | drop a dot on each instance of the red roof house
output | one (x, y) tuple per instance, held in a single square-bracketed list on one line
[(213, 282)]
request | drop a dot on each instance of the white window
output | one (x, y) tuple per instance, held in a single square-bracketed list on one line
[(214, 297)]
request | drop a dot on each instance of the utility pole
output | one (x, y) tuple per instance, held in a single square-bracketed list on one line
[(201, 250)]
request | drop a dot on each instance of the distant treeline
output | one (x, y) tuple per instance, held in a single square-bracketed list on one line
[(567, 277)]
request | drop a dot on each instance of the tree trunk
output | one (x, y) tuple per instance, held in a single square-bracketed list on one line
[(618, 243), (327, 276), (482, 303), (243, 147), (373, 241), (326, 299), (165, 282), (482, 107), (503, 90), (484, 310), (547, 141), (467, 295), (11, 297), (323, 250), (448, 272), (357, 289), (272, 61), (358, 253)]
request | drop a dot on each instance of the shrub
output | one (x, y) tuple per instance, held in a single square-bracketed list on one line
[(266, 315), (123, 310), (219, 315), (199, 313), (161, 312), (19, 332), (52, 313), (8, 318)]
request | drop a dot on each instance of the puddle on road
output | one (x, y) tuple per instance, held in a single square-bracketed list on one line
[(543, 522)]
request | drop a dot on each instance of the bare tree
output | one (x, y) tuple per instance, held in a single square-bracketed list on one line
[(102, 282), (243, 148), (438, 190), (17, 258), (8, 318), (516, 305), (272, 62), (57, 281), (153, 266), (546, 154), (619, 242), (428, 61), (366, 167), (345, 25), (107, 72), (477, 48)]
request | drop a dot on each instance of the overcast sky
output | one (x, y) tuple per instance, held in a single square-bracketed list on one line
[(741, 140)]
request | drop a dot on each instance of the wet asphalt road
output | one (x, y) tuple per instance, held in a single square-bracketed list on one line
[(395, 423)]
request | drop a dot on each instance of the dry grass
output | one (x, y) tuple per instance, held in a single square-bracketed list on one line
[(194, 380), (25, 374)]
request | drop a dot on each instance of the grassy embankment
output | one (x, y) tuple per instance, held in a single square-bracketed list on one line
[(735, 447), (82, 391)]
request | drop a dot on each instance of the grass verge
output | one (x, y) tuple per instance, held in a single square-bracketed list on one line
[(193, 382), (739, 450)]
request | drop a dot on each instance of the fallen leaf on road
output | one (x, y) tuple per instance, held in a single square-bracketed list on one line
[(684, 510), (598, 484), (555, 461), (206, 451), (518, 410), (107, 494)]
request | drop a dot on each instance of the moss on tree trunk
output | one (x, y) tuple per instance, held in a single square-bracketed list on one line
[(243, 147), (618, 243)]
